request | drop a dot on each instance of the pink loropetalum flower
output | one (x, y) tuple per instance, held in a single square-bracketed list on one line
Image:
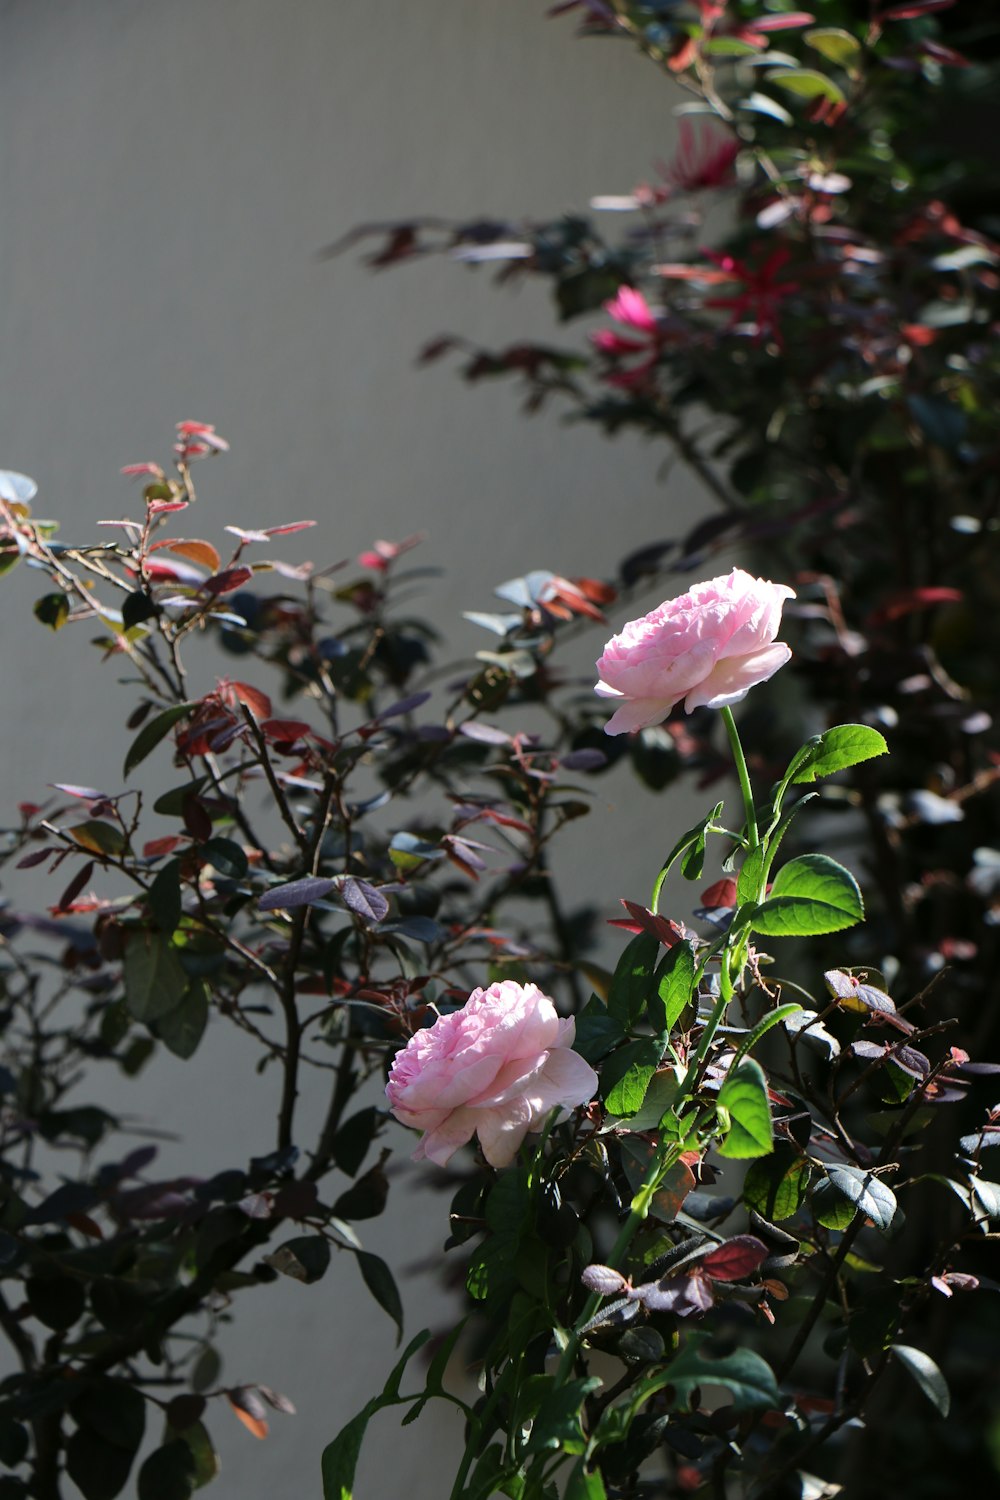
[(708, 647), (630, 308), (703, 160), (496, 1069), (759, 301)]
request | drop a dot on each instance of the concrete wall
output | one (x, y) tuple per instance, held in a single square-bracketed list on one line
[(168, 174)]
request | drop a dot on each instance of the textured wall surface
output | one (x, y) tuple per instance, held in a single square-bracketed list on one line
[(169, 173)]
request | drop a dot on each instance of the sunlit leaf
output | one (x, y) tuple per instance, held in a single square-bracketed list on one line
[(811, 894), (744, 1096), (927, 1375), (836, 749), (807, 83), (869, 1194)]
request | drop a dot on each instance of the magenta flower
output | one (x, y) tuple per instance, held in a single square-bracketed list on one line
[(496, 1069), (759, 299), (709, 647), (630, 308), (702, 161)]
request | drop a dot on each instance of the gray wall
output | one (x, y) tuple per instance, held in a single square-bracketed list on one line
[(169, 172)]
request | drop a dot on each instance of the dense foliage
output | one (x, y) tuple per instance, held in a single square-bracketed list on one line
[(827, 368), (328, 855), (761, 1253)]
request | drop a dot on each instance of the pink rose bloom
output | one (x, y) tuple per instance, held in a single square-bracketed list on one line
[(709, 647), (495, 1068)]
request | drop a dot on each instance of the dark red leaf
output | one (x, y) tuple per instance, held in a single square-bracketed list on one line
[(184, 1411), (196, 819), (284, 731), (156, 847), (227, 580), (75, 886), (722, 893), (736, 1259), (30, 860), (257, 702), (907, 601), (644, 920)]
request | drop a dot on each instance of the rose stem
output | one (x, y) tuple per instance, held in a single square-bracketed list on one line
[(753, 838)]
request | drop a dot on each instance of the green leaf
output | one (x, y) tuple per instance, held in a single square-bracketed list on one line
[(927, 1375), (675, 982), (53, 610), (584, 1486), (164, 897), (811, 894), (487, 1476), (340, 1458), (305, 1258), (138, 607), (558, 1421), (596, 1032), (14, 1442), (630, 984), (207, 1369), (226, 857), (154, 979), (868, 1194), (151, 734), (846, 745), (693, 859), (692, 843), (756, 867), (763, 1026), (351, 1143), (748, 1379), (56, 1301), (807, 83), (115, 1411), (98, 837), (744, 1096), (941, 421), (830, 1208), (751, 876), (834, 43), (182, 1028), (99, 1469), (366, 1198), (171, 804), (198, 1442), (167, 1474), (657, 1100), (775, 1185), (379, 1281), (729, 46), (626, 1076)]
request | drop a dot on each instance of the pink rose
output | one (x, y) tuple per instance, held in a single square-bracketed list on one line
[(709, 647), (494, 1068)]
